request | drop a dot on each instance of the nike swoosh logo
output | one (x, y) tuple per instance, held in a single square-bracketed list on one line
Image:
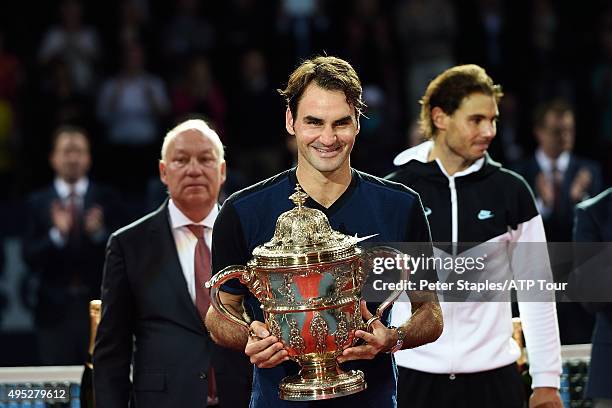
[(485, 215), (359, 239), (427, 211)]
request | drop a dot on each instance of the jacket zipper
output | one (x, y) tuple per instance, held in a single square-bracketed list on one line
[(454, 240)]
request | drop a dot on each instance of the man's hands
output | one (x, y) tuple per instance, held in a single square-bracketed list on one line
[(580, 185), (545, 190), (61, 218), (264, 350), (545, 397), (380, 340), (94, 220)]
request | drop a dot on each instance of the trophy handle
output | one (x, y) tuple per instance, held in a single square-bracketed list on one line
[(404, 274), (231, 272)]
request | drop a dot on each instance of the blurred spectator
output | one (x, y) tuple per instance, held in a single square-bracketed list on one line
[(505, 148), (10, 84), (303, 24), (370, 48), (373, 154), (550, 78), (601, 91), (199, 92), (74, 43), (133, 106), (544, 29), (67, 225), (10, 74), (560, 180), (3, 296), (134, 19), (427, 48), (61, 101), (188, 33), (558, 177), (252, 103), (247, 23), (493, 21)]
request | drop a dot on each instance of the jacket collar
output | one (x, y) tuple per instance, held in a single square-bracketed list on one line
[(421, 153)]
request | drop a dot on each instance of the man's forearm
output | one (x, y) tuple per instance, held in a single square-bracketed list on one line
[(424, 326), (225, 333)]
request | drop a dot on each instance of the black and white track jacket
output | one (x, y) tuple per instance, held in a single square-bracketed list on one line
[(486, 205)]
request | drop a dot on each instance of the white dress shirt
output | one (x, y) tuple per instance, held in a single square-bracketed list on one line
[(63, 190), (546, 165), (186, 242)]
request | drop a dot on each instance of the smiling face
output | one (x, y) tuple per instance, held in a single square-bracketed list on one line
[(325, 128), (193, 171), (468, 132)]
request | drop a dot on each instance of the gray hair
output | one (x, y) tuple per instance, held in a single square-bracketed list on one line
[(194, 124)]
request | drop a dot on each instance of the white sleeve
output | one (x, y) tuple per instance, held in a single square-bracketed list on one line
[(529, 260)]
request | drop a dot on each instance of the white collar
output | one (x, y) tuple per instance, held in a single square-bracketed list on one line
[(546, 163), (420, 153), (64, 189), (178, 219)]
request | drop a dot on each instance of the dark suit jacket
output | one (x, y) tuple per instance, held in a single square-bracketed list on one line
[(575, 325), (149, 317), (76, 262), (594, 224), (559, 224)]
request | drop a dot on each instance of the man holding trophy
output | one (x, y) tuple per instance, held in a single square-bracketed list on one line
[(324, 106)]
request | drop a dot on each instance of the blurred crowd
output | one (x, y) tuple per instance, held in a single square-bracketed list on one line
[(123, 72)]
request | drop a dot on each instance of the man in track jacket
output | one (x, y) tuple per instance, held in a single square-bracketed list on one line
[(469, 198)]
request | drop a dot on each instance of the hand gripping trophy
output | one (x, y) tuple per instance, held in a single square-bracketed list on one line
[(308, 279)]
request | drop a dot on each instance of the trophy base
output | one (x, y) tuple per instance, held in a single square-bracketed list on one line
[(339, 384)]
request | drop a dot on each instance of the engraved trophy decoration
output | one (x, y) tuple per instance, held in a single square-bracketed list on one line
[(308, 279)]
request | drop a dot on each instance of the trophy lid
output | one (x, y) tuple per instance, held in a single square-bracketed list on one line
[(303, 236)]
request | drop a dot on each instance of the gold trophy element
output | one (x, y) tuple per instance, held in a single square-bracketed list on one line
[(308, 279)]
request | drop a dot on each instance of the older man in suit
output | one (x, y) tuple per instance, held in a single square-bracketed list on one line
[(592, 280), (67, 225), (153, 301)]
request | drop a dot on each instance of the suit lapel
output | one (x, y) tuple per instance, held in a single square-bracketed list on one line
[(89, 197), (162, 240)]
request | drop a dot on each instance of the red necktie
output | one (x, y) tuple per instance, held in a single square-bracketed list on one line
[(557, 180), (75, 214), (201, 269)]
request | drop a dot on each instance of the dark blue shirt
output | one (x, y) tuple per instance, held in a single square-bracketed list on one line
[(369, 206)]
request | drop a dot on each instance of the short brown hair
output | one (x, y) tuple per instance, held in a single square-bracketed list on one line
[(557, 106), (449, 88), (330, 73), (68, 128)]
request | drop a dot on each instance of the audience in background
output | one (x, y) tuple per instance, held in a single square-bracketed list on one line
[(74, 43), (66, 227), (133, 105), (223, 60), (255, 144), (560, 179)]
